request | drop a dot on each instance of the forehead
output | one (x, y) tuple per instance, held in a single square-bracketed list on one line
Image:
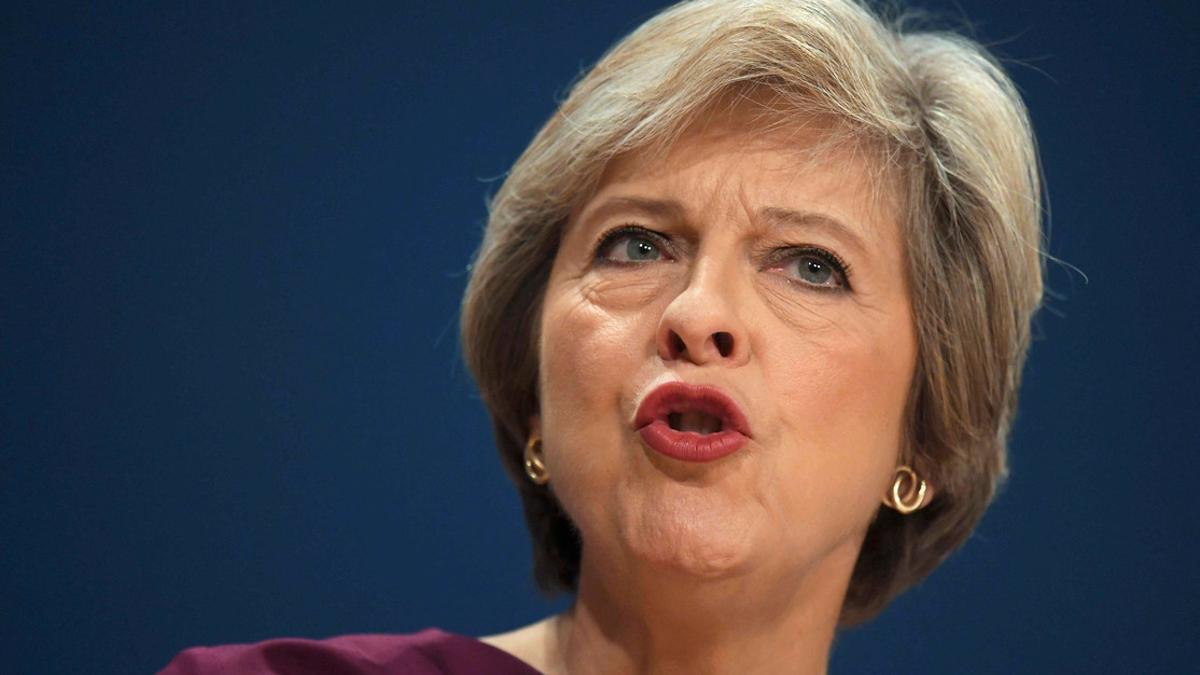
[(736, 161)]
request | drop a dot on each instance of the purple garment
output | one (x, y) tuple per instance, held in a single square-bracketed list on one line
[(429, 652)]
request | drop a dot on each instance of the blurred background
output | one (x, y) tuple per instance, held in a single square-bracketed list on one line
[(233, 239)]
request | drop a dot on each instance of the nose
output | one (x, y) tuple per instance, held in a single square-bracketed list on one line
[(701, 324)]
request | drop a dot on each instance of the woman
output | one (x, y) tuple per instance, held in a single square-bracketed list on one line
[(749, 317)]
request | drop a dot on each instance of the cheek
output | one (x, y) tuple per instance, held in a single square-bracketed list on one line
[(594, 332), (848, 380), (587, 351), (841, 404)]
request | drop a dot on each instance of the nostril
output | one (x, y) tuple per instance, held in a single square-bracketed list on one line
[(677, 345), (724, 342)]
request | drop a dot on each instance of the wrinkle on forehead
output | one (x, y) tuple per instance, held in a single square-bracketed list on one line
[(812, 143)]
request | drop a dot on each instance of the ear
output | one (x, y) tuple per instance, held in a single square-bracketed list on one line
[(535, 425)]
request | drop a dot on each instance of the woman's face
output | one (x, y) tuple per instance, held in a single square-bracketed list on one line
[(719, 265)]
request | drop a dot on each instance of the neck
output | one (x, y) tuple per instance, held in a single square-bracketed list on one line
[(639, 620)]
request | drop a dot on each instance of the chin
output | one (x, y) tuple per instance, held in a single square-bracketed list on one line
[(693, 534), (699, 560)]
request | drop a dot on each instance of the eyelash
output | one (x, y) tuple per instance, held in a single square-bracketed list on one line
[(841, 267)]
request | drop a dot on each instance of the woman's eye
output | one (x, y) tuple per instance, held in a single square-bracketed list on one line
[(630, 247), (816, 268)]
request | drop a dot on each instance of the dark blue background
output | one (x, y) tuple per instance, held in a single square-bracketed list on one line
[(234, 240)]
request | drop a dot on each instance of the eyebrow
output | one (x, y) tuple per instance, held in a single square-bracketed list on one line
[(665, 209), (779, 216), (776, 216)]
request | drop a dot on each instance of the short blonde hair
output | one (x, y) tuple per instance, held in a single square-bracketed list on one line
[(950, 130)]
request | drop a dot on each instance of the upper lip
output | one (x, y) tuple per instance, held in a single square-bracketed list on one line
[(681, 397)]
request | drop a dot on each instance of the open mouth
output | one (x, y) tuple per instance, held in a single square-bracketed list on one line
[(694, 421), (691, 422)]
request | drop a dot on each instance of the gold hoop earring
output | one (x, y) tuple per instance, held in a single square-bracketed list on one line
[(916, 488), (535, 468)]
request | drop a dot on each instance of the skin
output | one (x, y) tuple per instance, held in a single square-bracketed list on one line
[(738, 565)]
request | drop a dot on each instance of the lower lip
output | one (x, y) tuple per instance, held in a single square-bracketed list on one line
[(690, 446)]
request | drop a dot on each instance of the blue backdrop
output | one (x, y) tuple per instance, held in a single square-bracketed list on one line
[(233, 243)]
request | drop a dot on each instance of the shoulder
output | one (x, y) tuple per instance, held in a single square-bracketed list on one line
[(428, 652)]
